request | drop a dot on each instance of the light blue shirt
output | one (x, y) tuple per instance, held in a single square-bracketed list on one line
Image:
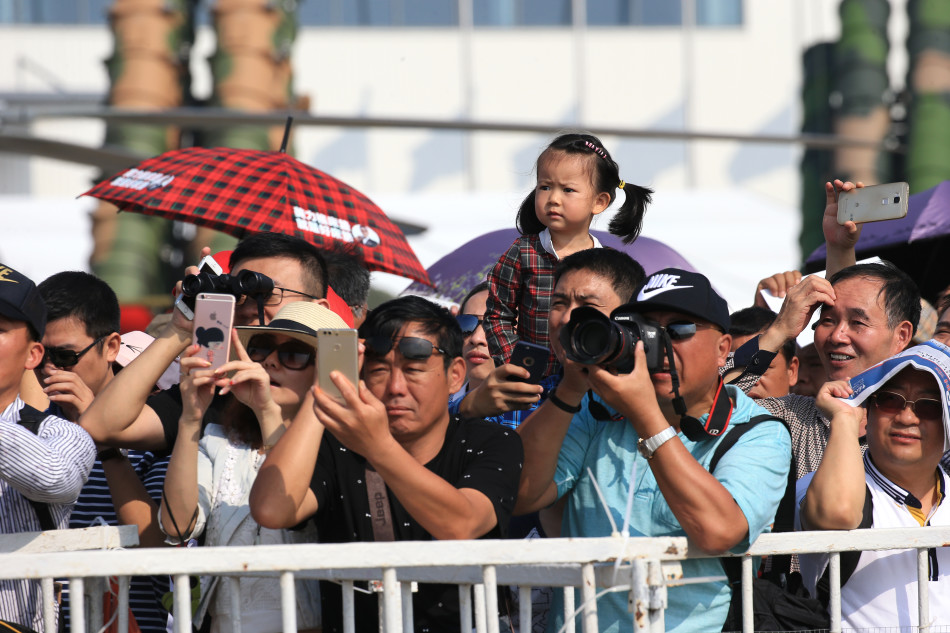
[(754, 471)]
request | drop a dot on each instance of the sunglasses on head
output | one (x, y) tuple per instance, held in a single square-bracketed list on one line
[(292, 354), (411, 347), (65, 358), (468, 323), (894, 403)]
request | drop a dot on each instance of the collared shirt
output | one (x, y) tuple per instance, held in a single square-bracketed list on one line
[(50, 467), (882, 590), (519, 296), (754, 471)]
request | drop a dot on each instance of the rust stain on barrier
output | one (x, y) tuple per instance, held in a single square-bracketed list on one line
[(673, 550)]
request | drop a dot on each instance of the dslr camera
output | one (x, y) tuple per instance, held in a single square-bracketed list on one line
[(591, 338)]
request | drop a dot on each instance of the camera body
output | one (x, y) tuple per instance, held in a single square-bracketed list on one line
[(245, 282), (592, 338)]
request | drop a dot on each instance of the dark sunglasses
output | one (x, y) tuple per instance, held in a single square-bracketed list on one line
[(894, 403), (682, 330), (410, 347), (292, 354), (65, 358), (468, 323)]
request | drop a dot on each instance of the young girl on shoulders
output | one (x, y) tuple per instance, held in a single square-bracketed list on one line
[(577, 180)]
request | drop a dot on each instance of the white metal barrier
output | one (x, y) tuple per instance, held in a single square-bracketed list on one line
[(647, 567)]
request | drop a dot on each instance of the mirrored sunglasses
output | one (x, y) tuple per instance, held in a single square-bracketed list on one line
[(682, 330), (292, 354), (468, 323), (411, 347), (65, 358), (894, 403)]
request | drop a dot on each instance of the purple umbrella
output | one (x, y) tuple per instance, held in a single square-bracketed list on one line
[(468, 265), (915, 243)]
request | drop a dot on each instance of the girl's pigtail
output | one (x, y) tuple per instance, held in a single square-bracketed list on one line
[(628, 220), (527, 220)]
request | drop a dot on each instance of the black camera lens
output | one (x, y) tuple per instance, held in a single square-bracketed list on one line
[(593, 339)]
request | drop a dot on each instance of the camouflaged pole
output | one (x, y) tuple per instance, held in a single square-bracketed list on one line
[(816, 166), (860, 89), (251, 66), (928, 79), (148, 70), (252, 72)]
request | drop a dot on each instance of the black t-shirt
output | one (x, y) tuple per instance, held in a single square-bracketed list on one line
[(167, 406), (476, 454)]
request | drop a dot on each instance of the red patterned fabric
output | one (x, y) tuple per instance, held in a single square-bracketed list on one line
[(240, 191), (519, 299)]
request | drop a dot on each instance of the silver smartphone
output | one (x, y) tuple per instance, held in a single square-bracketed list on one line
[(337, 349), (214, 316), (873, 204)]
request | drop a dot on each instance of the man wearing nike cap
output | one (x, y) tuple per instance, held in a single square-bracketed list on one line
[(659, 430)]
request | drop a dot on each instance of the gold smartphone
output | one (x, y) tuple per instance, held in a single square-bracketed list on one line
[(873, 204), (337, 349)]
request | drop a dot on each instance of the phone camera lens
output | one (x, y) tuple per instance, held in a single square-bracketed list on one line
[(897, 199)]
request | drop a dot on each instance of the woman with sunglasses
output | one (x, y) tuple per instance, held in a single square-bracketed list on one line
[(897, 483), (210, 475)]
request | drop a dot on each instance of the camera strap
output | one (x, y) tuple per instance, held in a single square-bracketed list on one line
[(720, 413), (679, 405), (259, 298)]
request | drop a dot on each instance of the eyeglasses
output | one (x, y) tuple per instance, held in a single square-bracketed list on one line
[(65, 358), (468, 323), (271, 298), (682, 330), (894, 403), (411, 347), (292, 354)]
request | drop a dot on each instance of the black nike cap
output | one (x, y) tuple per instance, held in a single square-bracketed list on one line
[(682, 291)]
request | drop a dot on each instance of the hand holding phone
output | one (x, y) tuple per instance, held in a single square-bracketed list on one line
[(873, 204), (532, 357), (337, 350), (214, 316)]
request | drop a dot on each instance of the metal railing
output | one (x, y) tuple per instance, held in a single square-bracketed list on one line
[(643, 567)]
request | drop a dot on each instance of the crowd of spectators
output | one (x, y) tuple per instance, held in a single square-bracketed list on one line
[(444, 438)]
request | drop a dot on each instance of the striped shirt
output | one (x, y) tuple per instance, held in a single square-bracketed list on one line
[(50, 467), (95, 507)]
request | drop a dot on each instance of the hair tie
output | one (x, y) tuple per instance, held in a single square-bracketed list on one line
[(620, 186)]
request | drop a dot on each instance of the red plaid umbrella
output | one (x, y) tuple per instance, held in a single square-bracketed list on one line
[(240, 191)]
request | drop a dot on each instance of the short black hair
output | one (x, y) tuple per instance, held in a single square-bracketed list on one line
[(269, 244), (901, 295), (481, 287), (623, 272), (347, 275), (388, 318), (84, 296), (754, 320)]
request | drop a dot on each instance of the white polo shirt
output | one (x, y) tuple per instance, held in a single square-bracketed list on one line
[(882, 591)]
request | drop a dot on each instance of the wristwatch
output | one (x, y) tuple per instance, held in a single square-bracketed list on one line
[(647, 447)]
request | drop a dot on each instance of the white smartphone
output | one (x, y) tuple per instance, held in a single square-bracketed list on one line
[(875, 203), (214, 316), (337, 349), (185, 304)]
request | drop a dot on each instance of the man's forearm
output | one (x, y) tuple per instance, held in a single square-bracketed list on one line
[(280, 489), (542, 434), (835, 498), (118, 405)]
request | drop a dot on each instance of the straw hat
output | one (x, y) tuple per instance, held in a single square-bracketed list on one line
[(299, 320)]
